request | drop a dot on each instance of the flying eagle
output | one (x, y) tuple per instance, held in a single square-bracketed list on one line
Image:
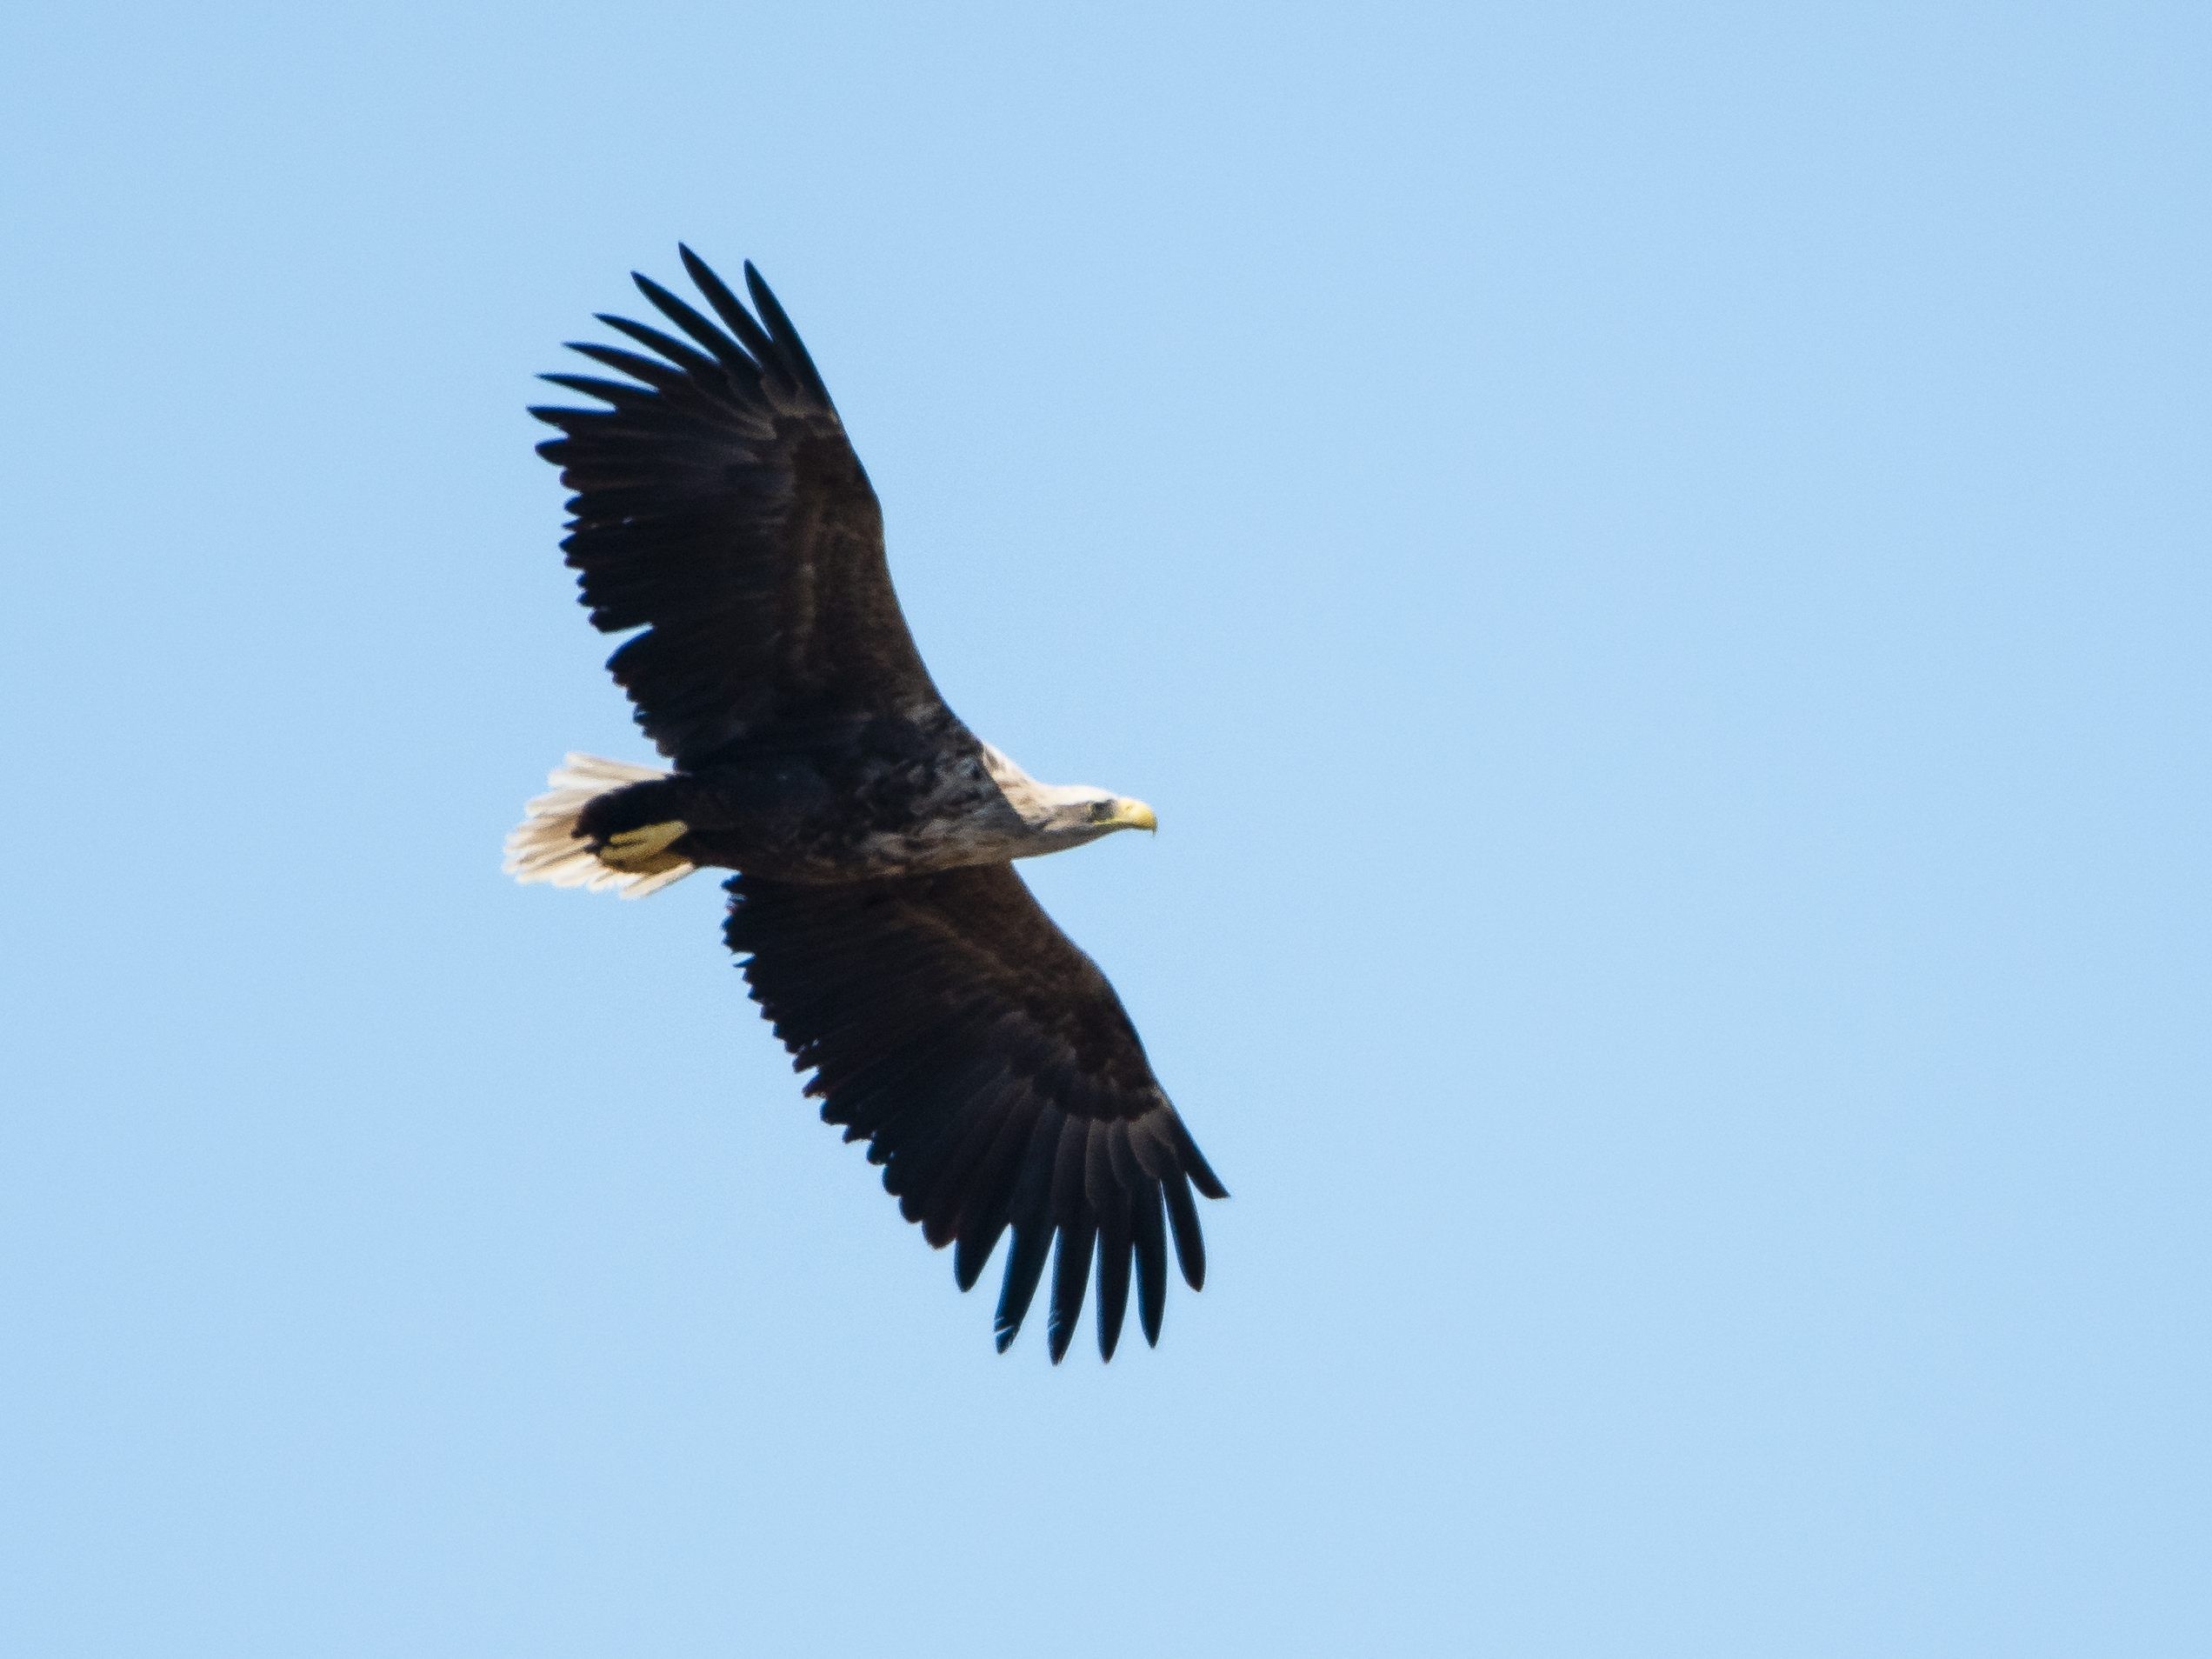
[(719, 510)]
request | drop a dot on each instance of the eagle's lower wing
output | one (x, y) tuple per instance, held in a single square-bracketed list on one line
[(719, 506), (991, 1067)]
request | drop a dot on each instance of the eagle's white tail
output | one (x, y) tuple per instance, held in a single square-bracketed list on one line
[(545, 847)]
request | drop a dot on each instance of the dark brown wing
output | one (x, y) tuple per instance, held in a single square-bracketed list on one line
[(989, 1064), (719, 506)]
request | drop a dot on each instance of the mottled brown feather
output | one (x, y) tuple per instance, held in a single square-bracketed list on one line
[(943, 1016), (718, 504)]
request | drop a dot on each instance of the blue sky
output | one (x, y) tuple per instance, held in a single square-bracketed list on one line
[(1653, 561)]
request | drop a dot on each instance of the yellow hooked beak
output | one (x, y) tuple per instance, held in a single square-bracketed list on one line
[(1134, 814)]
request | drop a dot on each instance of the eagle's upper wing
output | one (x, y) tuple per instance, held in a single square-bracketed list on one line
[(990, 1065), (719, 506)]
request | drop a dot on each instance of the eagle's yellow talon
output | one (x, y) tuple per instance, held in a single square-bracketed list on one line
[(644, 851)]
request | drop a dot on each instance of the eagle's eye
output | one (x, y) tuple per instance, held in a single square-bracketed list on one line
[(1101, 810)]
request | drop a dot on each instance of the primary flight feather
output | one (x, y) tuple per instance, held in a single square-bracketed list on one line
[(718, 508)]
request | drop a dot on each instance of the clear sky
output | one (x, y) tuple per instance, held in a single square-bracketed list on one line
[(1653, 563)]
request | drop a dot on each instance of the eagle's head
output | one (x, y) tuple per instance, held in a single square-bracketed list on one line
[(1065, 814)]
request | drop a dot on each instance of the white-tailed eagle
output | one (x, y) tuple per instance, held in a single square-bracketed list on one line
[(719, 510)]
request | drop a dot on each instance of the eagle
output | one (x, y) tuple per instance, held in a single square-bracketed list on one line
[(720, 518)]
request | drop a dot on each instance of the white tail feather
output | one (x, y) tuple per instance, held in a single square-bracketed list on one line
[(545, 847)]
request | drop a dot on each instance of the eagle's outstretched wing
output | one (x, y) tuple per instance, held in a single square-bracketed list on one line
[(719, 506), (989, 1064)]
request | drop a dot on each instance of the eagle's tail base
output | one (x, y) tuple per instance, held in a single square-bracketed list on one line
[(547, 846)]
